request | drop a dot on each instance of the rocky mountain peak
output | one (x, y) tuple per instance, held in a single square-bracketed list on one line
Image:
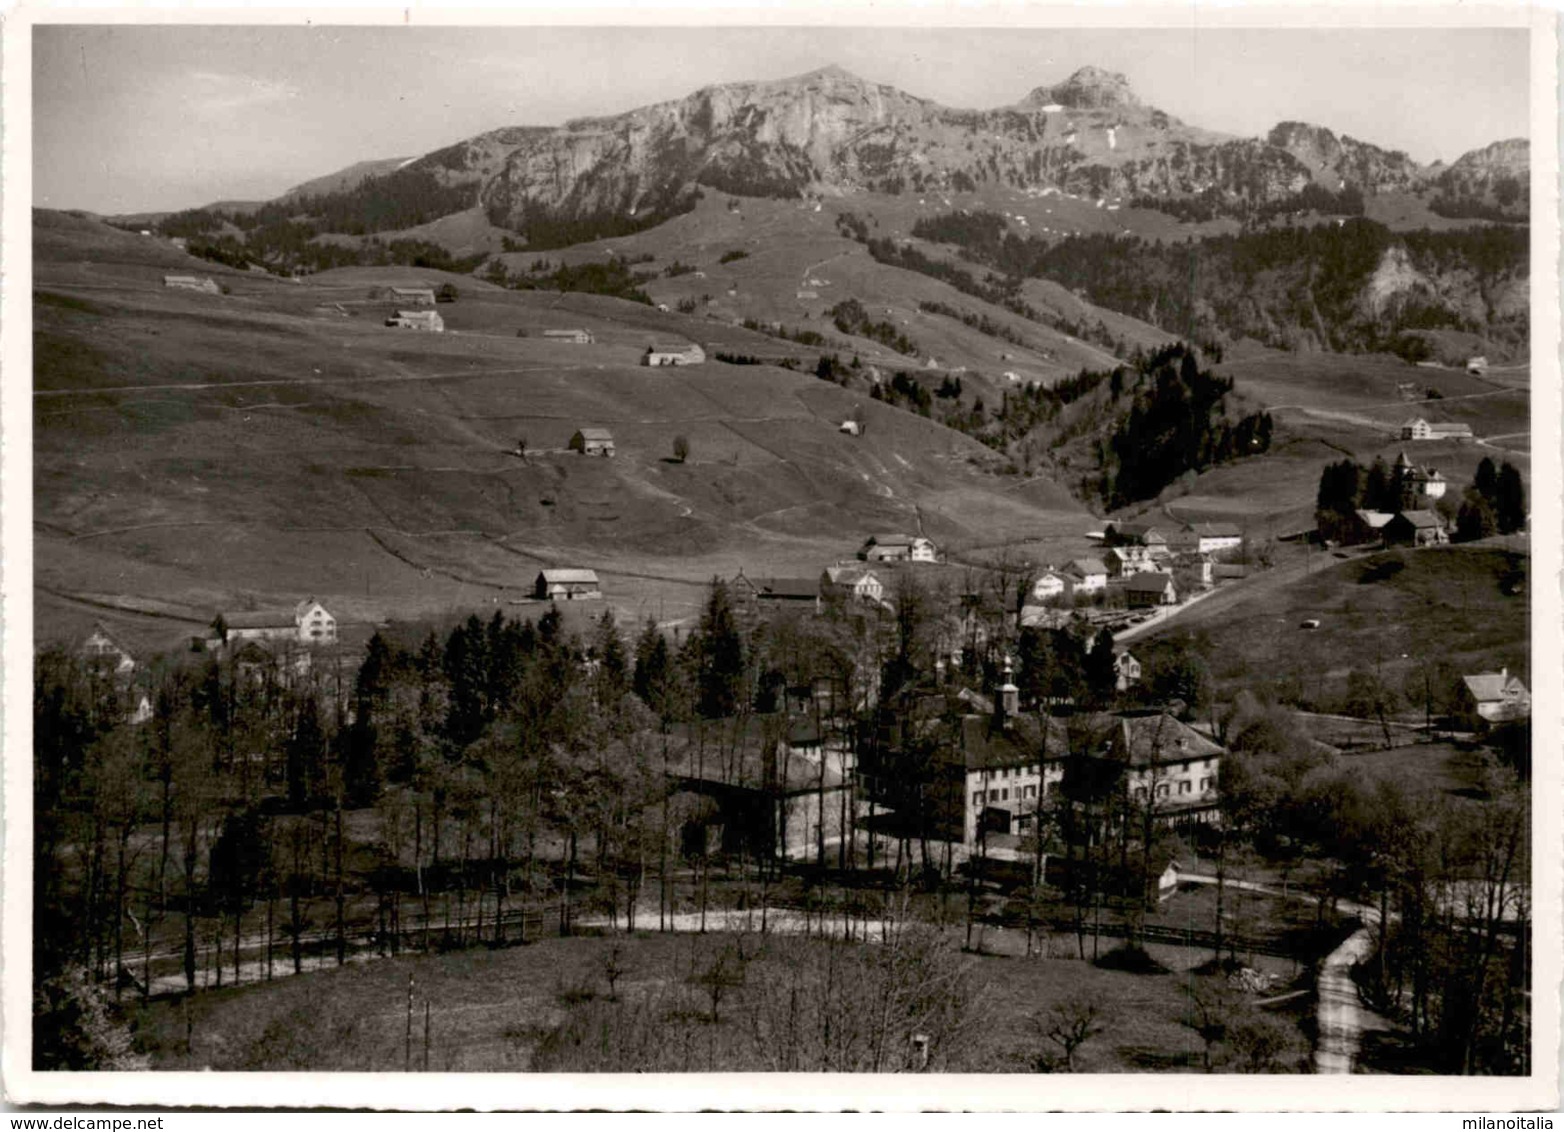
[(1090, 88)]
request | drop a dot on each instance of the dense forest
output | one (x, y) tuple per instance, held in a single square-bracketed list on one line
[(1282, 286)]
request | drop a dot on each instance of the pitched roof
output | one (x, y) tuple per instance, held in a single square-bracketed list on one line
[(1087, 566), (1148, 582), (567, 575), (1375, 519), (1487, 687), (847, 575), (892, 540), (595, 434), (1142, 531), (562, 333), (676, 348), (1141, 740), (787, 587), (1422, 520)]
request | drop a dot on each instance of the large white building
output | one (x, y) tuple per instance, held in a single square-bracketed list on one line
[(308, 623)]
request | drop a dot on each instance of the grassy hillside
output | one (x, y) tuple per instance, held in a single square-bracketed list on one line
[(202, 451), (1388, 611)]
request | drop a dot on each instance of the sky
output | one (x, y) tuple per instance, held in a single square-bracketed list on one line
[(129, 119)]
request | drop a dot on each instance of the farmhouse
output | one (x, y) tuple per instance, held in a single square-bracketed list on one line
[(191, 283), (566, 584), (1050, 586), (838, 583), (687, 355), (1088, 575), (1150, 588), (1420, 429), (418, 320), (414, 296), (578, 337), (1496, 697), (774, 591), (101, 649), (897, 548), (1365, 526), (592, 442), (308, 623), (1415, 528)]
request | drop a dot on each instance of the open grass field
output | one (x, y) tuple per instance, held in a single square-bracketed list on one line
[(197, 452), (489, 1010), (1386, 611)]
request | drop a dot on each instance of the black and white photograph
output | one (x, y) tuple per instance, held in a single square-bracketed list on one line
[(811, 549)]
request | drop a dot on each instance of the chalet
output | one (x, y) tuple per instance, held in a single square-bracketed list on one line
[(191, 283), (307, 623), (851, 581), (1494, 697), (100, 649), (1420, 429), (565, 584), (794, 592), (1150, 588), (1050, 585), (686, 355), (592, 442), (413, 296), (1087, 575), (1415, 528), (897, 548), (769, 788), (427, 321), (1126, 670), (578, 337)]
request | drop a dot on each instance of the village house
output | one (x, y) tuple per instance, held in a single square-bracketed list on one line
[(102, 649), (1050, 586), (686, 355), (1126, 670), (1364, 526), (413, 296), (1415, 528), (592, 442), (1011, 764), (1494, 697), (1127, 561), (578, 337), (897, 548), (838, 583), (1412, 481), (1420, 429), (308, 623), (191, 283), (1150, 588), (851, 427), (566, 584), (1214, 538), (1087, 575), (428, 321)]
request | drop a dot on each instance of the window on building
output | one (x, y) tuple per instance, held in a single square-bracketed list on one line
[(1185, 786), (977, 798), (1004, 795), (1162, 790)]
